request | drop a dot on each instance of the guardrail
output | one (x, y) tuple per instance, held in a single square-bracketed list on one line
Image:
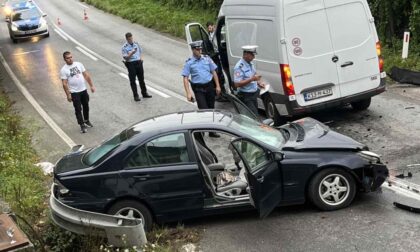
[(120, 231)]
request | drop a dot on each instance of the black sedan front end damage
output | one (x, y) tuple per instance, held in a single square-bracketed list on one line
[(375, 173)]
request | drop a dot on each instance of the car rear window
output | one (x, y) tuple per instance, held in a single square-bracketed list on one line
[(103, 149)]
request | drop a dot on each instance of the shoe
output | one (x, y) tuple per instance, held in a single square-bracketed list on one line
[(83, 128), (214, 134), (136, 98), (147, 96), (88, 124)]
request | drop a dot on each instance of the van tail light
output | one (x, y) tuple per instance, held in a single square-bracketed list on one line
[(381, 60), (286, 77)]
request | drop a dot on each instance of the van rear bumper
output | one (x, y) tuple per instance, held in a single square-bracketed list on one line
[(293, 108)]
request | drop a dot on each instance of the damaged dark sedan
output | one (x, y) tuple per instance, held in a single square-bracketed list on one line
[(170, 167)]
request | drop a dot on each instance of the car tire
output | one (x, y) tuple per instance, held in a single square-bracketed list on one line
[(271, 111), (332, 189), (47, 35), (133, 208), (361, 105), (14, 41)]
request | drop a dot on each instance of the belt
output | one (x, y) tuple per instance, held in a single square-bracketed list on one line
[(202, 85), (133, 62)]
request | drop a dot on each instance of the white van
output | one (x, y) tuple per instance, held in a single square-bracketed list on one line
[(314, 54)]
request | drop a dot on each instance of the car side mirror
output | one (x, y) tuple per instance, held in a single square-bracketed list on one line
[(268, 122), (278, 156)]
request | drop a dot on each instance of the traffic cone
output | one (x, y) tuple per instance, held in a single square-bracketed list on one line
[(85, 16), (58, 21)]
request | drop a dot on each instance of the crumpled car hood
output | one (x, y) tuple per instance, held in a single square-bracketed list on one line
[(308, 133)]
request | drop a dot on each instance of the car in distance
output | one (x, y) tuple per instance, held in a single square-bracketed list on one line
[(27, 23), (168, 168)]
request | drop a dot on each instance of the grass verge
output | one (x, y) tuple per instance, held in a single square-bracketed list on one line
[(152, 14)]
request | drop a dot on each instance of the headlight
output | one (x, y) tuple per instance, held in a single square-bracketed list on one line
[(370, 156), (14, 27), (42, 22), (7, 10)]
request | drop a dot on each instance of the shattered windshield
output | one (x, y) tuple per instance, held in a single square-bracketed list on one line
[(259, 131)]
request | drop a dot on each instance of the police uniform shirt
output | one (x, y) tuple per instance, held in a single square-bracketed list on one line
[(243, 71), (200, 69), (127, 48)]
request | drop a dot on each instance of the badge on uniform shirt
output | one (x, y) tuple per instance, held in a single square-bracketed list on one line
[(237, 74)]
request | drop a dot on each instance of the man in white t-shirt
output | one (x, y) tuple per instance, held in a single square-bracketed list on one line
[(74, 77)]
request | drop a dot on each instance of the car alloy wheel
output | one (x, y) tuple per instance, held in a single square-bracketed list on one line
[(332, 189), (133, 209)]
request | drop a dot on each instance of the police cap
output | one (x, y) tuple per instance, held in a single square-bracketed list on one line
[(196, 44), (250, 48)]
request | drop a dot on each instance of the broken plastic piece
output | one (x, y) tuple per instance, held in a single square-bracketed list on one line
[(407, 207)]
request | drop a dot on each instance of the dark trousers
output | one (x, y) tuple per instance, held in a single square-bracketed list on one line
[(205, 94), (250, 100), (135, 68), (81, 103)]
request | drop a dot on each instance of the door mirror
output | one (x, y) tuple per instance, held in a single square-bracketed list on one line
[(278, 156)]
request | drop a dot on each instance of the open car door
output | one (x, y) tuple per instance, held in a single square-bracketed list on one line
[(194, 32), (240, 107), (263, 173)]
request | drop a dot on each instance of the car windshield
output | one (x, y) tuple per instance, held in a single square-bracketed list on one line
[(27, 14), (103, 149), (257, 130)]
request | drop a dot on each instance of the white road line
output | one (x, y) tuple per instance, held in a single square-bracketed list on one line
[(36, 105), (61, 35), (120, 68), (84, 6), (86, 53), (22, 53), (125, 76)]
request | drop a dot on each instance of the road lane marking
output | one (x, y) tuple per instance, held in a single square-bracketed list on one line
[(120, 68), (36, 105), (61, 35), (22, 53), (84, 6), (125, 76), (86, 53)]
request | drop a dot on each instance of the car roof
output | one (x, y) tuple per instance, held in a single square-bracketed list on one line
[(184, 120)]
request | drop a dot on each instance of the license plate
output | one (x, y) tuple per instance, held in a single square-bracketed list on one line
[(30, 32), (317, 94)]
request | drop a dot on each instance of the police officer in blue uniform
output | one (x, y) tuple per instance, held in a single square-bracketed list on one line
[(133, 60), (246, 79), (204, 78)]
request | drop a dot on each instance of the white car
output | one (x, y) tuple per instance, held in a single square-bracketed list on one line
[(27, 23)]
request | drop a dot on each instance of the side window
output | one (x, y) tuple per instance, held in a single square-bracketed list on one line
[(165, 150), (197, 33), (253, 155)]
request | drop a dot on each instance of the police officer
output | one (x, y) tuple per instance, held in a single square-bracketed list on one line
[(133, 60), (203, 72), (246, 78), (204, 79)]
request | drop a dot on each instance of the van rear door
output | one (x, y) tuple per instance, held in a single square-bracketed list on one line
[(310, 52), (354, 38)]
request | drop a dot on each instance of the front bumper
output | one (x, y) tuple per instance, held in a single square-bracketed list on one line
[(28, 34), (374, 176), (120, 231)]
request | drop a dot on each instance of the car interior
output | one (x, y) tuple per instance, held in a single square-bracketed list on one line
[(223, 167)]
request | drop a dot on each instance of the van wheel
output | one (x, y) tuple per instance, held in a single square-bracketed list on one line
[(271, 111), (133, 209), (361, 105)]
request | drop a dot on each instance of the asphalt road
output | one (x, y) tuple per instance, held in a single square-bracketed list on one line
[(389, 127)]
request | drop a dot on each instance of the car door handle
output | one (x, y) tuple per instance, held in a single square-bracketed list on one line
[(142, 177), (260, 179), (348, 63)]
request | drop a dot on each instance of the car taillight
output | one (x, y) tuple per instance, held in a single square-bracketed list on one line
[(381, 60), (286, 77)]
